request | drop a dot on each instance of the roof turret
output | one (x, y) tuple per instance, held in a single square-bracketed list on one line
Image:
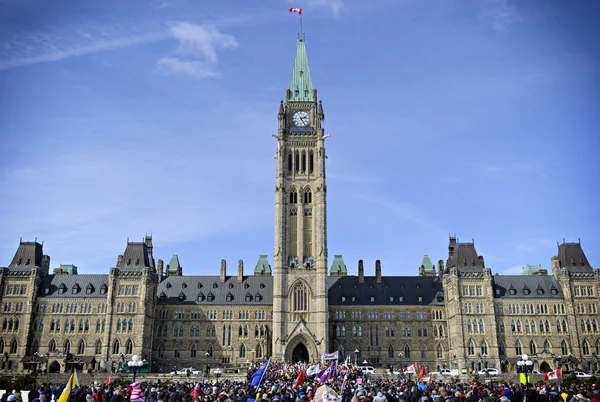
[(301, 88)]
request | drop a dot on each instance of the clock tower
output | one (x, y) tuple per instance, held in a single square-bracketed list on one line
[(300, 254)]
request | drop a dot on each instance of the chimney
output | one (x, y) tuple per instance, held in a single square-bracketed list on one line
[(119, 260), (240, 277), (441, 268), (378, 270), (160, 269), (361, 272), (481, 262), (223, 275)]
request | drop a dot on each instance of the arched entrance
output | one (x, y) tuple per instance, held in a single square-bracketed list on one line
[(54, 367), (545, 367), (300, 354)]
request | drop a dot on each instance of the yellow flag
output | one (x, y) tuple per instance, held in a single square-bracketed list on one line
[(73, 382)]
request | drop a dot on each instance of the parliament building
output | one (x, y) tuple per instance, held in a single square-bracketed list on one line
[(300, 303)]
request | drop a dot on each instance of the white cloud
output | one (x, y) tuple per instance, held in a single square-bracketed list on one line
[(502, 14), (45, 48), (196, 54)]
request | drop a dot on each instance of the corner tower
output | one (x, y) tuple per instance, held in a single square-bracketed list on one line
[(300, 252)]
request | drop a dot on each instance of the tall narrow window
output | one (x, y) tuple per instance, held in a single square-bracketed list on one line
[(311, 162), (290, 163), (81, 348), (297, 162), (407, 352), (303, 162)]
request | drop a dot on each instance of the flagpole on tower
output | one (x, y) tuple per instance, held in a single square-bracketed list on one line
[(301, 35)]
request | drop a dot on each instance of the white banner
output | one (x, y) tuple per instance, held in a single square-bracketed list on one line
[(329, 356)]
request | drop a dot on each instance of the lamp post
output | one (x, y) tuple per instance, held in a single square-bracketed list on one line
[(401, 368), (135, 364), (207, 369), (525, 366), (356, 353)]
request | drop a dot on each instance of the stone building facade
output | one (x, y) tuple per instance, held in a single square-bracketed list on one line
[(453, 314)]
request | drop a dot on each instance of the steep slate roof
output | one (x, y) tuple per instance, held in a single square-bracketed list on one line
[(172, 287), (409, 287), (135, 257), (464, 256), (571, 256), (301, 80), (54, 282), (502, 283), (29, 255)]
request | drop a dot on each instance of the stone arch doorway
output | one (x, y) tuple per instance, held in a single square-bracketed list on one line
[(545, 367), (300, 353), (54, 367)]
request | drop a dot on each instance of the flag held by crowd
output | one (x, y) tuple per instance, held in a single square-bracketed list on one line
[(257, 376), (312, 370), (71, 385), (421, 372), (553, 375), (330, 372), (299, 380), (412, 369), (329, 356)]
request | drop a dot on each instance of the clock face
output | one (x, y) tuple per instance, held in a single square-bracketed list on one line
[(301, 118)]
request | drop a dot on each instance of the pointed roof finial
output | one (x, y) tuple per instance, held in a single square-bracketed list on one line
[(301, 88)]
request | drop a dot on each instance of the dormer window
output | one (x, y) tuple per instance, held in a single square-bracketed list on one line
[(257, 297), (168, 285), (513, 291), (199, 285), (418, 286), (184, 285), (343, 299), (296, 92), (391, 298), (231, 286), (554, 291), (28, 261), (246, 286), (229, 297), (20, 261), (440, 299), (103, 289), (89, 289), (181, 296), (420, 299), (137, 262), (497, 291), (200, 297), (129, 261), (262, 285), (162, 296), (215, 285), (210, 297), (526, 291), (353, 298), (75, 289), (248, 297), (540, 291), (372, 299)]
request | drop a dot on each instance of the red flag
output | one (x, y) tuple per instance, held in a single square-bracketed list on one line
[(296, 10), (421, 372), (553, 375), (300, 380), (107, 381)]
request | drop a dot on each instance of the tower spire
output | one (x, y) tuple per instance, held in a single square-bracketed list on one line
[(301, 88)]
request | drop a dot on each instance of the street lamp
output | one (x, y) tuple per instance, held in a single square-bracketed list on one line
[(207, 369), (525, 366), (356, 353), (135, 364)]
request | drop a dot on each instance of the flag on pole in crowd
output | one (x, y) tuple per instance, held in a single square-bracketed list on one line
[(421, 372), (300, 379), (329, 356), (312, 370), (553, 375), (330, 372), (257, 377), (107, 382), (410, 369), (71, 385), (296, 10)]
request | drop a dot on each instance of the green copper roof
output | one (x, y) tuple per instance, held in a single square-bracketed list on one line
[(531, 269), (338, 266), (262, 266), (426, 263), (69, 269), (301, 85), (174, 264)]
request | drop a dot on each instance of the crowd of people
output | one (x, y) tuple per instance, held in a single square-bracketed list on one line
[(282, 383)]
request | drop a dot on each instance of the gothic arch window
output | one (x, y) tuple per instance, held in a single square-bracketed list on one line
[(484, 348), (176, 351), (518, 348), (423, 352), (52, 346), (303, 161), (67, 346), (290, 163), (597, 347), (98, 325), (36, 347), (440, 352), (13, 346), (161, 350), (300, 298), (441, 331), (470, 347), (128, 347), (469, 327), (297, 162), (585, 347), (547, 347), (259, 351), (390, 352), (527, 326), (307, 196), (116, 347), (311, 162), (209, 350), (293, 196), (533, 326), (564, 348), (519, 326), (99, 347), (407, 352), (243, 351), (193, 350), (81, 348)]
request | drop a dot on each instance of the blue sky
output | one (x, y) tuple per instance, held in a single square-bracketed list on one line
[(477, 118)]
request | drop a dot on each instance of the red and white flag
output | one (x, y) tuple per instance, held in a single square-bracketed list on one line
[(296, 10), (553, 375), (411, 369)]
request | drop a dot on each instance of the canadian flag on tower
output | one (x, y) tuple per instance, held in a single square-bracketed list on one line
[(296, 10)]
